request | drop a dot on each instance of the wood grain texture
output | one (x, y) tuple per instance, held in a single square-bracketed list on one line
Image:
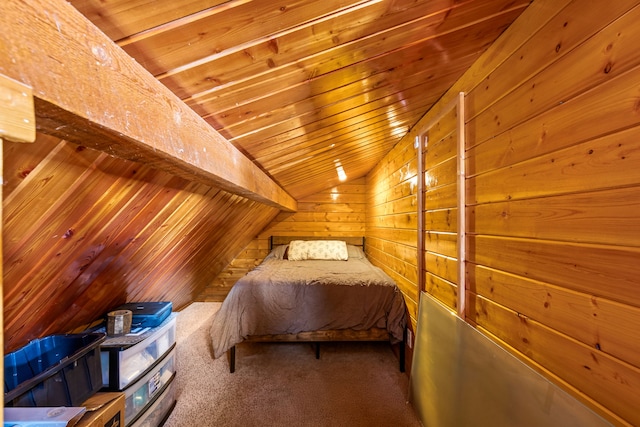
[(333, 213), (296, 86), (373, 334), (551, 150), (85, 232), (17, 116), (114, 104), (2, 262), (391, 221)]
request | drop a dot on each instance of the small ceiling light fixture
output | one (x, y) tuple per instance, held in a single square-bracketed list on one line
[(342, 176)]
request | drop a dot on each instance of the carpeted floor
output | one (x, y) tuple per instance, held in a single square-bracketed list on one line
[(352, 384)]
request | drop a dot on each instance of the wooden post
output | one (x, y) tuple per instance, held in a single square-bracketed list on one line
[(17, 123), (420, 144), (462, 203), (17, 114)]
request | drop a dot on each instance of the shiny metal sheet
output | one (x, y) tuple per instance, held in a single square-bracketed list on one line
[(461, 378)]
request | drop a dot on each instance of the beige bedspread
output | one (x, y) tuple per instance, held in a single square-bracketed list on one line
[(282, 297)]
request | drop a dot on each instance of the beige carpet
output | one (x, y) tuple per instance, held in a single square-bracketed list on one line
[(352, 384)]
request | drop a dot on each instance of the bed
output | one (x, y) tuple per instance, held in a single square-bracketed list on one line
[(313, 290)]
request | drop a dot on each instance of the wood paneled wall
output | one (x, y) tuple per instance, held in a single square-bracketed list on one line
[(85, 232), (392, 220), (554, 191), (553, 188), (335, 212), (440, 207)]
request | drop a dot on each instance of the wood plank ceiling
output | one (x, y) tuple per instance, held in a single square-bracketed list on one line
[(302, 87)]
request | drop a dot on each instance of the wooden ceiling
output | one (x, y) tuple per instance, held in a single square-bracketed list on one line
[(304, 86)]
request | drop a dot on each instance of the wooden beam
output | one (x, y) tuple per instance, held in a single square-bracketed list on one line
[(89, 91), (17, 117)]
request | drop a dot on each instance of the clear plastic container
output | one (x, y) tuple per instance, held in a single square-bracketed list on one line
[(139, 396), (160, 409), (127, 358)]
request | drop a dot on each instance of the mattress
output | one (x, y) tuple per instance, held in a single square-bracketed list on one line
[(282, 296)]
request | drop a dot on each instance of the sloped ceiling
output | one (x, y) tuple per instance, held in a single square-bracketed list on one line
[(304, 86), (297, 87)]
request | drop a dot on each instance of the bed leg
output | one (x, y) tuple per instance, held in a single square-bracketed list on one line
[(402, 355), (231, 353), (317, 350)]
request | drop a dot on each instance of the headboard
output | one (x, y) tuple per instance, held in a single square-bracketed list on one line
[(285, 240)]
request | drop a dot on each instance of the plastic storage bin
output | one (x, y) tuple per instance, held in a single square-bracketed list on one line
[(148, 314), (127, 358), (42, 416), (58, 370), (138, 396), (160, 409)]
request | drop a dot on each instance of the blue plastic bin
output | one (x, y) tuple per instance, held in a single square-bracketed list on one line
[(148, 314), (58, 370)]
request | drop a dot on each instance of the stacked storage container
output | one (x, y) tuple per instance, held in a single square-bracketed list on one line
[(142, 364)]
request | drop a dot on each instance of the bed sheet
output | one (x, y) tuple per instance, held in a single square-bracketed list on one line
[(287, 297)]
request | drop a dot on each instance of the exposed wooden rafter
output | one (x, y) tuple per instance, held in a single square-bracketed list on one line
[(88, 91)]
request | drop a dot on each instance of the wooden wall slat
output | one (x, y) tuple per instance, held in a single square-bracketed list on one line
[(338, 211), (89, 232), (123, 18), (565, 46), (598, 163), (580, 365), (228, 29), (608, 108), (607, 271), (552, 141), (391, 243), (309, 42), (594, 321), (572, 217)]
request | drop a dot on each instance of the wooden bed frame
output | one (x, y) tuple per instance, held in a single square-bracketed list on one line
[(317, 337)]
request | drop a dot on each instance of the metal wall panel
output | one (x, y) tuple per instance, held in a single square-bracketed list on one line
[(461, 378)]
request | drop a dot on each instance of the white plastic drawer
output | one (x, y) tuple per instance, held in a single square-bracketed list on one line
[(159, 410), (125, 359), (139, 396)]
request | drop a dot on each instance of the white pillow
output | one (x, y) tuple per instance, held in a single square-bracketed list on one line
[(300, 250)]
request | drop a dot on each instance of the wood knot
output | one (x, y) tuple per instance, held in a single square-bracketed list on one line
[(273, 46)]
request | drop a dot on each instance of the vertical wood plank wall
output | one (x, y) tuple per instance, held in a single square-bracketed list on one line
[(85, 232), (335, 212), (553, 195)]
